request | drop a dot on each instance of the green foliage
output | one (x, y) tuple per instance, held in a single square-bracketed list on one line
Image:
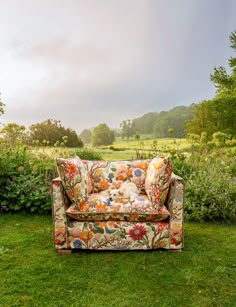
[(211, 194), (171, 132), (145, 123), (14, 134), (175, 118), (210, 183), (88, 154), (203, 138), (102, 135), (86, 136), (193, 138), (219, 113), (219, 138), (128, 129), (24, 180), (53, 133)]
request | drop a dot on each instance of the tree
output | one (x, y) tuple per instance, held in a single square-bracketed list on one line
[(219, 113), (145, 124), (14, 133), (52, 132), (175, 118), (127, 128), (102, 135), (86, 136), (171, 132)]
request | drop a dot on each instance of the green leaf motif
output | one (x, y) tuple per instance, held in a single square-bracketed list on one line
[(100, 230)]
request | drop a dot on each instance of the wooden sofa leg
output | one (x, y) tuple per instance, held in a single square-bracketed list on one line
[(64, 251)]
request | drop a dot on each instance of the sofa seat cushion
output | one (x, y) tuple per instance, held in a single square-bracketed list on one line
[(110, 174), (98, 207)]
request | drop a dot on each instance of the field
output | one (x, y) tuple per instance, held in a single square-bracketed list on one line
[(32, 274), (129, 149)]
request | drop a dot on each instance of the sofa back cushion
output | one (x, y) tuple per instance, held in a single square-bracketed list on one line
[(158, 180), (75, 179), (110, 174)]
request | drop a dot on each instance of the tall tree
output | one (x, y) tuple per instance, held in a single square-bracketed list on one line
[(220, 112), (102, 135), (127, 128)]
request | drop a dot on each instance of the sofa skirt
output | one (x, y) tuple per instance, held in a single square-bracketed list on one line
[(118, 235)]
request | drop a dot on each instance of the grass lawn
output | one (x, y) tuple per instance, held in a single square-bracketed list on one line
[(32, 274)]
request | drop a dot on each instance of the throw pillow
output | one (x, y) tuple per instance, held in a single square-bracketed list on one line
[(75, 178), (158, 180)]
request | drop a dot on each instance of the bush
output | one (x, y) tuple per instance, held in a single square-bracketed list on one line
[(210, 194), (88, 154), (24, 181)]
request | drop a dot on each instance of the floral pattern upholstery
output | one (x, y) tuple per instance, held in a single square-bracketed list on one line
[(97, 223), (108, 175), (99, 207), (117, 235), (158, 180), (75, 179)]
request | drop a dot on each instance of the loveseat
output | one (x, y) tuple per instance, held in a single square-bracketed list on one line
[(85, 218)]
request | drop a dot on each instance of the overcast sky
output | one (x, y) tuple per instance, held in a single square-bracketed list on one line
[(86, 62)]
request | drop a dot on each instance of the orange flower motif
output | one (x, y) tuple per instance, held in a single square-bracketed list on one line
[(84, 207), (85, 235), (101, 208), (102, 224), (71, 167), (116, 208), (121, 177), (121, 200), (103, 184), (111, 224), (142, 165), (129, 173), (76, 191), (133, 217)]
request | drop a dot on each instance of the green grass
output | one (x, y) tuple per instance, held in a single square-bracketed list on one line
[(32, 274)]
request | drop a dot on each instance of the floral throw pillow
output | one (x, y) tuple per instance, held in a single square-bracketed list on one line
[(158, 180), (75, 178)]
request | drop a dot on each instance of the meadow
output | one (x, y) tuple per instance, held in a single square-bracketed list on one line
[(204, 274), (32, 274)]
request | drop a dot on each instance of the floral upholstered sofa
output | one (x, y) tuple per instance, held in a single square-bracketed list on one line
[(85, 217)]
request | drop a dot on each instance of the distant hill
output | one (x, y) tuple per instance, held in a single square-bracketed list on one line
[(158, 124)]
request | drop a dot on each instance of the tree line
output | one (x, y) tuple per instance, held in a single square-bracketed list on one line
[(49, 132)]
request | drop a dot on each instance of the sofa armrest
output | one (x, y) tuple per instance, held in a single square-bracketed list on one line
[(60, 203), (175, 205)]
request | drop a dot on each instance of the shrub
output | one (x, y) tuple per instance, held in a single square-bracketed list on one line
[(24, 180), (210, 194), (88, 154)]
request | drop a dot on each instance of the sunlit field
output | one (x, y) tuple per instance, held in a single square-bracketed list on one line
[(121, 149)]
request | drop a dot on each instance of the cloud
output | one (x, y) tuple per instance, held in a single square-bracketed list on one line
[(87, 62)]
